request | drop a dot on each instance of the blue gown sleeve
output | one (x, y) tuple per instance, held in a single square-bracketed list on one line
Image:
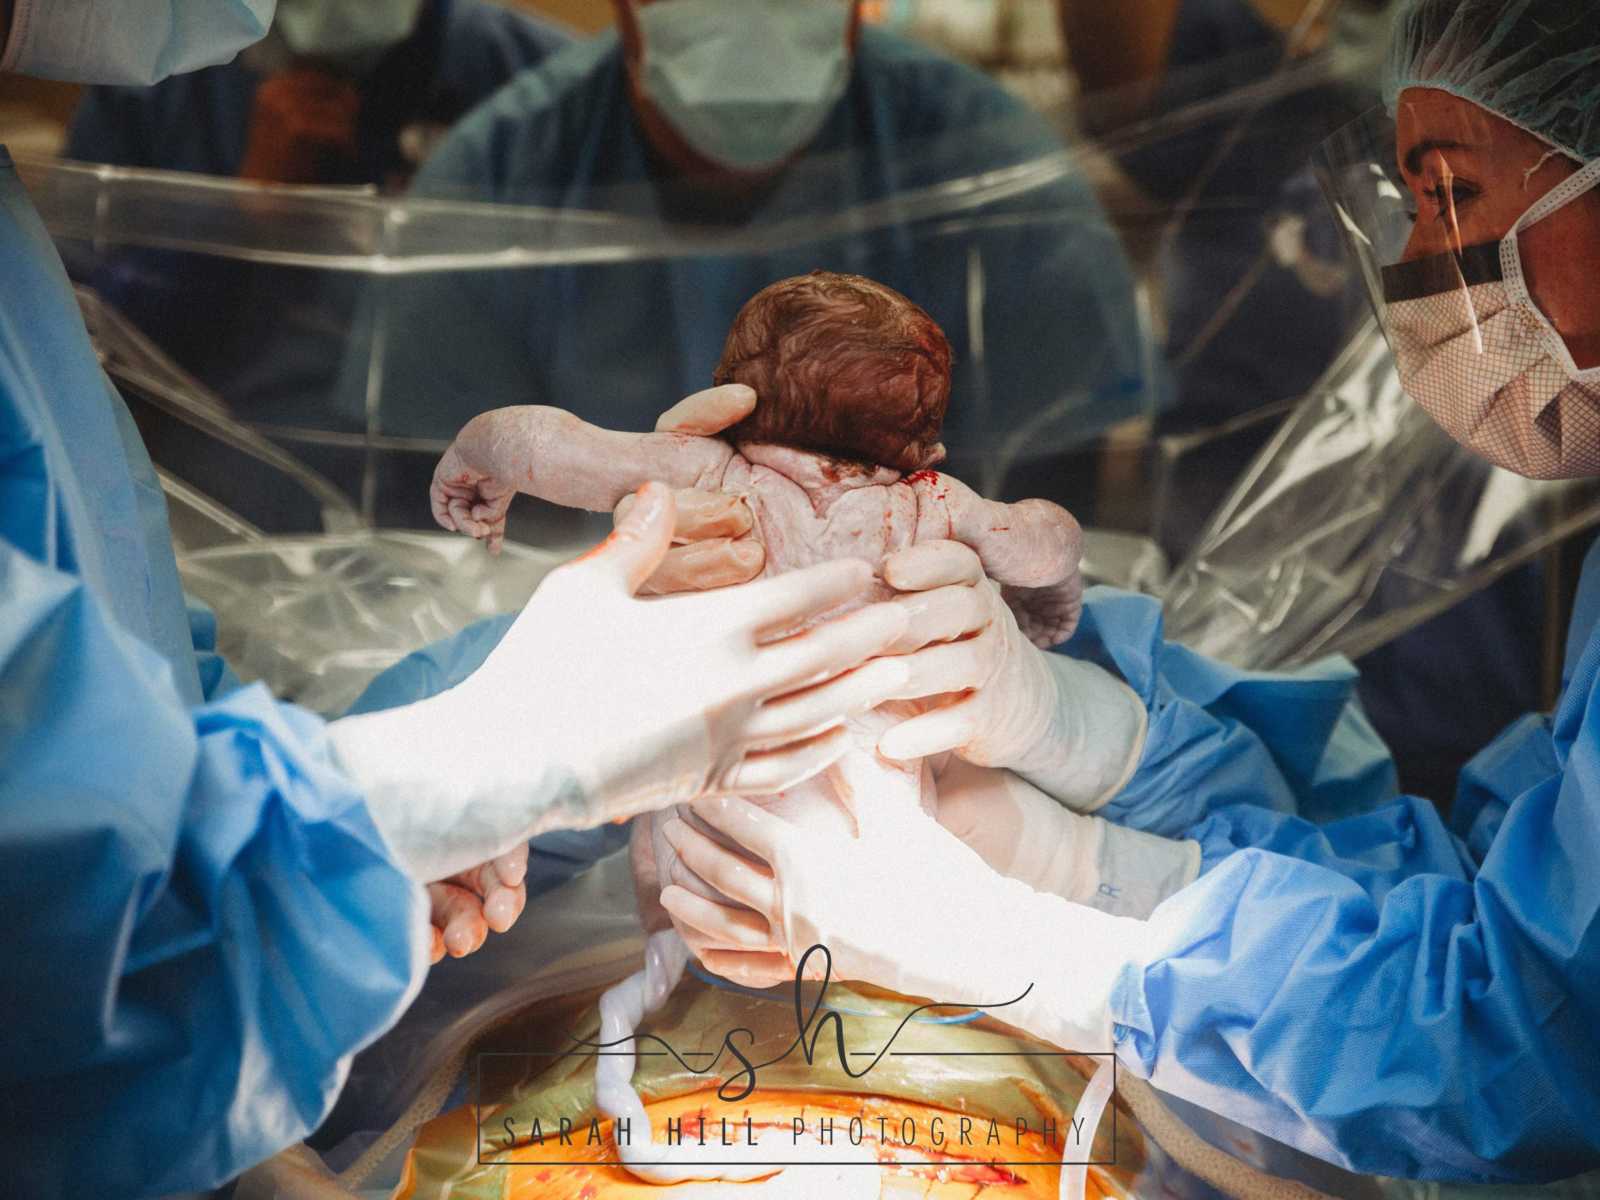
[(1374, 989), (203, 924), (217, 678), (1289, 742)]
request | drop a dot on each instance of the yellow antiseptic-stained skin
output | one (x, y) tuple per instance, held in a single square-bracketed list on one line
[(578, 1171)]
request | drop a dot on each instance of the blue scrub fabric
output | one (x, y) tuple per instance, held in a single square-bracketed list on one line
[(203, 923), (1350, 975), (618, 341)]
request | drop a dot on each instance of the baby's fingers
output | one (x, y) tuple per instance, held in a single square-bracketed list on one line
[(458, 915)]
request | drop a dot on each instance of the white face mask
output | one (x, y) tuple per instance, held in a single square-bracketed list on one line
[(748, 84), (128, 41), (1484, 361), (345, 28)]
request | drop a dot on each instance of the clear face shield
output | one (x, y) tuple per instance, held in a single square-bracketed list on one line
[(1480, 246)]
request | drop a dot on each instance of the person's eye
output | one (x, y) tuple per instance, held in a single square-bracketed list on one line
[(1454, 198)]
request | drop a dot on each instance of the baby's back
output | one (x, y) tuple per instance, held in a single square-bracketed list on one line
[(810, 508)]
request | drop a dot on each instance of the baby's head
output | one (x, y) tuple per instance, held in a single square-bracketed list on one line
[(841, 365)]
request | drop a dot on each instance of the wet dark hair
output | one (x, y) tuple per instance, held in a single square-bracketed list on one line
[(842, 365)]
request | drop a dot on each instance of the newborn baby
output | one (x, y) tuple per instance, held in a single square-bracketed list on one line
[(836, 461), (853, 380)]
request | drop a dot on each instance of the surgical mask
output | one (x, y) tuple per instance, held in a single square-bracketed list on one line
[(1480, 356), (128, 41), (746, 85), (341, 29)]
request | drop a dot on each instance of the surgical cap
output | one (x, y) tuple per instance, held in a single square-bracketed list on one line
[(1534, 62)]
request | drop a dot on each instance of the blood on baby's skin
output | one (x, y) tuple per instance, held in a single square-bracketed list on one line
[(922, 476)]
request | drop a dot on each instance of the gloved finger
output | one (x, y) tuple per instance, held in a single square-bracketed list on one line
[(975, 800), (700, 514), (768, 772), (710, 411), (758, 830), (511, 868), (928, 565), (780, 605), (828, 649), (459, 915), (749, 970), (485, 879), (703, 515), (702, 566), (942, 615), (503, 906), (500, 902), (735, 876), (947, 728), (807, 713), (636, 546), (949, 667), (707, 925)]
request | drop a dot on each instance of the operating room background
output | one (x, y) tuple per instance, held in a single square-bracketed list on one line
[(1193, 122)]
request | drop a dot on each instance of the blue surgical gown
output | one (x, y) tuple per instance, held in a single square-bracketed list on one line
[(202, 922), (926, 176), (1349, 975)]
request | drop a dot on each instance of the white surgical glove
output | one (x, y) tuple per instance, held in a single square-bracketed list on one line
[(714, 545), (1069, 727), (1032, 838), (597, 705), (906, 906)]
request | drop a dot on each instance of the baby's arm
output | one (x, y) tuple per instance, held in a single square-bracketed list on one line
[(551, 454), (1032, 548)]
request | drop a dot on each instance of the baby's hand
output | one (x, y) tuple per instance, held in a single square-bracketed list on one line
[(472, 489)]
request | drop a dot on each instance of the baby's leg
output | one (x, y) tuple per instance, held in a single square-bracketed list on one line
[(1032, 548)]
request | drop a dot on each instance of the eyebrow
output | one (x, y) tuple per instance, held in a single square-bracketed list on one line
[(1414, 155)]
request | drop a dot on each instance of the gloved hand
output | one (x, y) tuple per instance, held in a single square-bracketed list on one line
[(1069, 727), (904, 905), (1025, 835), (465, 907), (596, 706), (710, 548)]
